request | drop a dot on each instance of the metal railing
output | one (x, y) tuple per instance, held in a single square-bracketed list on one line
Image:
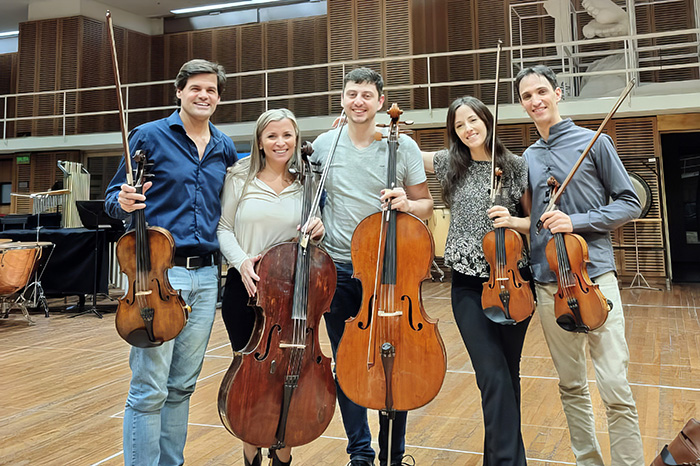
[(571, 64)]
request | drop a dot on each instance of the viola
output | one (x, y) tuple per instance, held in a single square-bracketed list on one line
[(506, 297), (391, 356), (279, 391), (151, 312)]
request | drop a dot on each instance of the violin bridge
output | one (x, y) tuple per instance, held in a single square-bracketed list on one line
[(143, 293), (389, 314)]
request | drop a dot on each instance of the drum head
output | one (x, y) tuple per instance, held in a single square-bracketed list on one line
[(643, 191)]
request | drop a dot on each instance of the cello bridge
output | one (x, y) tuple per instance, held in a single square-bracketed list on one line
[(389, 314), (292, 345), (143, 293)]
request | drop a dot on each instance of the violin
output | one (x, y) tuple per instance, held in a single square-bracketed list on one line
[(151, 312), (279, 391), (391, 356), (506, 297), (579, 305)]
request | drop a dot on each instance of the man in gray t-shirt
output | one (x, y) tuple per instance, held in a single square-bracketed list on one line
[(355, 189)]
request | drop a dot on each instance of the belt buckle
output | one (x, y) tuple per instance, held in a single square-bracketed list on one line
[(187, 263)]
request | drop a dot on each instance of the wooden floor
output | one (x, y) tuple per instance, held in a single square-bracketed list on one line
[(63, 383)]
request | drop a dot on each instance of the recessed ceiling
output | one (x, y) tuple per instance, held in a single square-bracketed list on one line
[(13, 12)]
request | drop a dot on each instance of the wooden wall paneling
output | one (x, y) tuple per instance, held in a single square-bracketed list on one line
[(342, 37), (514, 137), (306, 34), (430, 32), (397, 42), (161, 94), (661, 17), (47, 79), (27, 72), (8, 85), (137, 55), (20, 183), (69, 49), (225, 43), (432, 140), (278, 44), (177, 52), (94, 46), (202, 45), (461, 37), (252, 60)]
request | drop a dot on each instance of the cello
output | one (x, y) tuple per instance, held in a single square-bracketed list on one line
[(579, 305), (506, 297), (279, 391), (151, 312), (391, 356)]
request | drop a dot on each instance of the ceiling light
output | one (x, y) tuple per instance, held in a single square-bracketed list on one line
[(220, 6), (9, 34)]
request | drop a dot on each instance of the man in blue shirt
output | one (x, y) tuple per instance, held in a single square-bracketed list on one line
[(585, 209), (189, 157)]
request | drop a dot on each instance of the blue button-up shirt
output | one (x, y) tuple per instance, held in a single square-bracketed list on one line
[(185, 196), (599, 199)]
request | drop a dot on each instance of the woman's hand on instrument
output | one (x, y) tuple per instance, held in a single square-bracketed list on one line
[(557, 221), (248, 275), (129, 200), (397, 196), (315, 229), (501, 217)]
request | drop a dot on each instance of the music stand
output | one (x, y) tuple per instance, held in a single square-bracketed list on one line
[(93, 216)]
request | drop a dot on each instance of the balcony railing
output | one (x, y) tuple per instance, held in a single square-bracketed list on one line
[(418, 84)]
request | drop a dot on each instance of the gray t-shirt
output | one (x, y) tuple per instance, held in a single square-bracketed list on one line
[(354, 183), (469, 221)]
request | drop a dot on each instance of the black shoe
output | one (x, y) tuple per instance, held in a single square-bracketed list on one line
[(405, 460), (360, 462), (277, 462), (257, 461)]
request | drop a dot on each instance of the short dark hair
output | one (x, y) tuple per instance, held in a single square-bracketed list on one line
[(365, 75), (540, 70), (199, 66)]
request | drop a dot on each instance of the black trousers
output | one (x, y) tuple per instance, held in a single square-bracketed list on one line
[(495, 352), (239, 318)]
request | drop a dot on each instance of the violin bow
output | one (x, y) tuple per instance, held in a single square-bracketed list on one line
[(554, 198), (120, 103), (495, 122)]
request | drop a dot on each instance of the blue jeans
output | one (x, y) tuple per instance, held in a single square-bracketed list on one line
[(163, 378), (346, 303)]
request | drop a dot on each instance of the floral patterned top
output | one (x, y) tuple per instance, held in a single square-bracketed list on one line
[(469, 221)]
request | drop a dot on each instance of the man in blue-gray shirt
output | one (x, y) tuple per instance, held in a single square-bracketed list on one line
[(585, 209), (189, 157)]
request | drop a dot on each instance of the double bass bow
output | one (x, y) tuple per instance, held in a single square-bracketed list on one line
[(579, 305), (391, 356), (279, 391), (506, 297), (151, 312)]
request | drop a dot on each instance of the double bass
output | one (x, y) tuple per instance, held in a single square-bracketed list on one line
[(279, 391), (151, 312), (391, 356), (579, 305), (506, 297)]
